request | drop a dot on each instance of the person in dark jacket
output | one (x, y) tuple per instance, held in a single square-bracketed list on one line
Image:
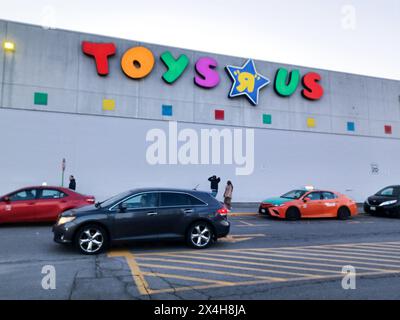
[(72, 183), (214, 185)]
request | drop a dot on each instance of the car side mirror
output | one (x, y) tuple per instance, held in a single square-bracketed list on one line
[(6, 199), (122, 207), (306, 199)]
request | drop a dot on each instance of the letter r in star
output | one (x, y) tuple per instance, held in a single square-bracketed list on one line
[(246, 81)]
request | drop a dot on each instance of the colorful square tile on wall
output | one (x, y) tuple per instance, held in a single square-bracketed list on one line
[(388, 129), (40, 98), (267, 119), (219, 114), (311, 123), (166, 110), (108, 104), (351, 126)]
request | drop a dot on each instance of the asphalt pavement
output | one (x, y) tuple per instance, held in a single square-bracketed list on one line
[(262, 258)]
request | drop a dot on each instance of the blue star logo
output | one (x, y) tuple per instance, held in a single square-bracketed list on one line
[(247, 81)]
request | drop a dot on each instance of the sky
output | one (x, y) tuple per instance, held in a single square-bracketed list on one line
[(355, 36)]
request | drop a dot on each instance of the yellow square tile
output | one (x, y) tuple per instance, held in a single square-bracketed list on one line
[(108, 104), (311, 123)]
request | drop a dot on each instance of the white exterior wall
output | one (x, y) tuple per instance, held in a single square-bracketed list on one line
[(106, 150), (107, 155)]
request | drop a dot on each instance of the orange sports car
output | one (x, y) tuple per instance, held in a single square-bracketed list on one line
[(305, 203)]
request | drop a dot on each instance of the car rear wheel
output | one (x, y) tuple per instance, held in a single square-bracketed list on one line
[(200, 235), (343, 213), (293, 214), (91, 239)]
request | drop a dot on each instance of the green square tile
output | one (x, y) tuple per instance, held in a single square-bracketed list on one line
[(267, 119), (40, 98)]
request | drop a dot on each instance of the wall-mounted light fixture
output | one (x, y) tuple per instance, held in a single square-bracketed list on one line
[(9, 46)]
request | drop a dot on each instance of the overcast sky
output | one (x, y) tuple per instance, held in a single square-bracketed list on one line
[(356, 36)]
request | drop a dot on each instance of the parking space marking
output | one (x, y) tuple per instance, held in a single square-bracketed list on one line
[(270, 265), (225, 273), (339, 266), (198, 270), (138, 277), (238, 238), (345, 260), (221, 265), (383, 248), (194, 279), (366, 250), (353, 255)]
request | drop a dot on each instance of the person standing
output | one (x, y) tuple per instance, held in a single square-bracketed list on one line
[(72, 183), (228, 195), (214, 185)]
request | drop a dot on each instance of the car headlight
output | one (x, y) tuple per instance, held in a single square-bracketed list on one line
[(64, 220), (388, 203)]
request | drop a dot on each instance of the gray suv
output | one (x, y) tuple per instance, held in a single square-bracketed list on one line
[(144, 214)]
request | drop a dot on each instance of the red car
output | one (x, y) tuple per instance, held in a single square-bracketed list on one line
[(40, 204)]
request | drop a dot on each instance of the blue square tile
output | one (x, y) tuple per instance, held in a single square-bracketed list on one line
[(167, 110), (351, 126)]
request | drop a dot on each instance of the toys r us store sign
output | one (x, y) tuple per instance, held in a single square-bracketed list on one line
[(138, 62)]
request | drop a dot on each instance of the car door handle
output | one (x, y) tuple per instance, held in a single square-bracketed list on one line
[(188, 211), (152, 213)]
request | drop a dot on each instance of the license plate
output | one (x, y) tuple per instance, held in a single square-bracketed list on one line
[(373, 208)]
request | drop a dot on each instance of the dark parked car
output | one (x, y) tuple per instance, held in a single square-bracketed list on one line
[(145, 214), (384, 202)]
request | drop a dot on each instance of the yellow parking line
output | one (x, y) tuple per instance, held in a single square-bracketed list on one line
[(247, 223), (258, 282), (351, 252), (222, 265), (266, 264), (137, 275), (243, 214), (323, 253), (194, 279), (385, 246), (378, 247), (225, 273), (348, 253), (393, 242), (320, 246), (370, 250), (346, 260), (298, 262), (272, 249), (253, 264)]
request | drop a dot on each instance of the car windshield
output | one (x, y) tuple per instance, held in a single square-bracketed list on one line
[(294, 194), (115, 199), (389, 192)]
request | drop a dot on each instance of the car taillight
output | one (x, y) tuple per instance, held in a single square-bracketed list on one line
[(222, 211), (90, 200)]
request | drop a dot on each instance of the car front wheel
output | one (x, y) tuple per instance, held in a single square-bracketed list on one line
[(91, 239), (200, 235), (343, 213), (293, 214)]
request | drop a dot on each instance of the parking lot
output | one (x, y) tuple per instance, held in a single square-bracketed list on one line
[(262, 258)]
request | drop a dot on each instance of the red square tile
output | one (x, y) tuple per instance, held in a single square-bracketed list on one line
[(388, 129), (219, 114)]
